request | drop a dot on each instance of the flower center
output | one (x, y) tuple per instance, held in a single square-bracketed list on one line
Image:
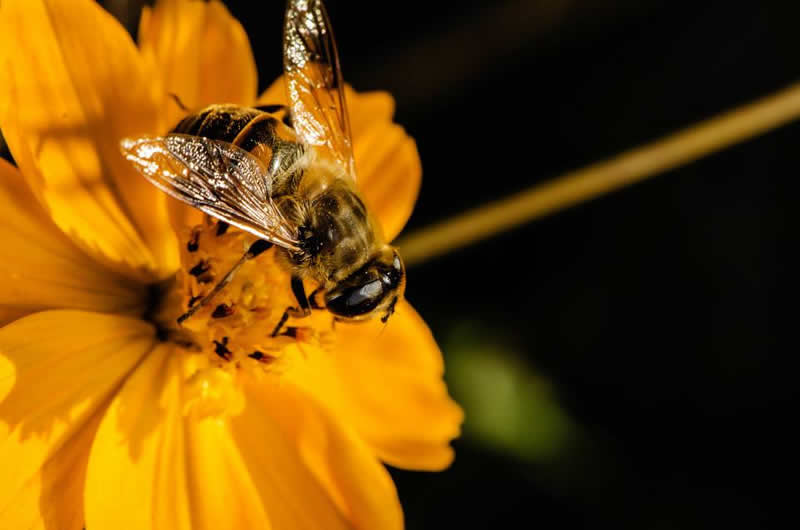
[(236, 327)]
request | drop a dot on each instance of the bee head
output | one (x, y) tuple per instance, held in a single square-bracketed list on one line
[(374, 288)]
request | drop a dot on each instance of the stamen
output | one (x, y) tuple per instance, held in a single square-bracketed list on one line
[(212, 391), (233, 332), (193, 243), (262, 357), (221, 349), (222, 311), (200, 271)]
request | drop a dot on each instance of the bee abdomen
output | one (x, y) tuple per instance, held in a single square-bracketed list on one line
[(251, 129), (248, 128), (219, 122)]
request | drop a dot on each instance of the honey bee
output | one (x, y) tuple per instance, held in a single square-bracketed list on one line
[(291, 183)]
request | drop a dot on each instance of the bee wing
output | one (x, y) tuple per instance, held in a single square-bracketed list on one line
[(217, 177), (314, 82)]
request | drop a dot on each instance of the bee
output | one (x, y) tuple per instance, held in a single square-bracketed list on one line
[(291, 183)]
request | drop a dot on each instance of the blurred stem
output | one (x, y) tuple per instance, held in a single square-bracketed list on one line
[(632, 166)]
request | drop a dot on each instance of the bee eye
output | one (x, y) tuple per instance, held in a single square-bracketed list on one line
[(358, 300)]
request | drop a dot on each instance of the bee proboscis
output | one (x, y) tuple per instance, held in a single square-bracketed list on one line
[(291, 184)]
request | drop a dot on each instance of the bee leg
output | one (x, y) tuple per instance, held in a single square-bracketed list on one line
[(178, 102), (255, 249), (222, 227), (312, 298), (291, 331), (303, 308)]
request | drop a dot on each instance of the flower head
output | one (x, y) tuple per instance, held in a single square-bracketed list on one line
[(106, 420)]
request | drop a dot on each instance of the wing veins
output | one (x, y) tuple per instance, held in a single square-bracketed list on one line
[(216, 177)]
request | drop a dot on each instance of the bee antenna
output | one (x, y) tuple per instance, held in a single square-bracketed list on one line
[(178, 102), (389, 310)]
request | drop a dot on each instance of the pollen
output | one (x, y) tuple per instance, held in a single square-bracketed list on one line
[(234, 329), (211, 391)]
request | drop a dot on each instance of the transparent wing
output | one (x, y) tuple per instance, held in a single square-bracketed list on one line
[(314, 82), (219, 178)]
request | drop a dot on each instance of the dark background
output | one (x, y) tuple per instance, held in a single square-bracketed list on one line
[(630, 362)]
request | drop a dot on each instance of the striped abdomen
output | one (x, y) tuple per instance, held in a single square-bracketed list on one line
[(255, 131)]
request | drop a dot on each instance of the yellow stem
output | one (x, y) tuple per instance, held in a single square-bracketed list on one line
[(672, 151)]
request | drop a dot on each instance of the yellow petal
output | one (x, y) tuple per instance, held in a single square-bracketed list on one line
[(223, 493), (335, 456), (389, 174), (137, 468), (367, 109), (291, 494), (387, 161), (53, 498), (74, 85), (57, 371), (275, 94), (153, 466), (388, 385), (201, 52), (42, 269)]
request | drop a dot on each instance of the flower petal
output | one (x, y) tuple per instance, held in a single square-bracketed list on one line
[(43, 269), (224, 494), (53, 497), (367, 109), (389, 174), (55, 378), (387, 161), (275, 94), (388, 384), (202, 53), (154, 466), (74, 85), (137, 470), (337, 458)]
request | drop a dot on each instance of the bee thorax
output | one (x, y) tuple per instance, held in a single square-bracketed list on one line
[(335, 233)]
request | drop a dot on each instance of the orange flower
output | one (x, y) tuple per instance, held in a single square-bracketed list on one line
[(103, 423)]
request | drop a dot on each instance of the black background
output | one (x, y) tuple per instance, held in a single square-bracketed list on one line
[(661, 315)]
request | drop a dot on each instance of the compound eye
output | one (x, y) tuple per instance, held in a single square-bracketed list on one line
[(357, 301)]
